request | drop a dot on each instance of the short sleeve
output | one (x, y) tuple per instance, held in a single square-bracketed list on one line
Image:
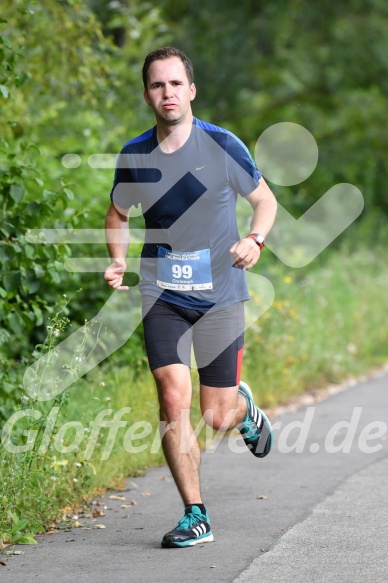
[(132, 179), (243, 174), (121, 194)]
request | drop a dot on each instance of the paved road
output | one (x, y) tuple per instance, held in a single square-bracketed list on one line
[(322, 517)]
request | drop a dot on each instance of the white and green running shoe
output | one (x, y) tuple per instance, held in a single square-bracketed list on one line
[(192, 529), (256, 428)]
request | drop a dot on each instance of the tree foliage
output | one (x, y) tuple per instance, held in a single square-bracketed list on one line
[(322, 67), (64, 88)]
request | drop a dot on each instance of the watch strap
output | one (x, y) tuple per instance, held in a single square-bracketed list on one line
[(255, 236)]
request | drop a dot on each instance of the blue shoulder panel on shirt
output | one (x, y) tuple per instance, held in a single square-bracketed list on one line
[(213, 129), (232, 145), (209, 126), (215, 132), (145, 136)]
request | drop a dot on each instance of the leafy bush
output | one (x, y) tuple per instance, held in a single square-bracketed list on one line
[(52, 106), (27, 270)]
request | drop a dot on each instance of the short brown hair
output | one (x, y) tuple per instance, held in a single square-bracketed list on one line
[(167, 53)]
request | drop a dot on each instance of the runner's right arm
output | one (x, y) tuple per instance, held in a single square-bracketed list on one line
[(117, 239)]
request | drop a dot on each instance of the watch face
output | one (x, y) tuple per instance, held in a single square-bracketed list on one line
[(260, 239)]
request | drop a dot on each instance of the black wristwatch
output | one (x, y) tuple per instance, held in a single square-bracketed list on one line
[(258, 239)]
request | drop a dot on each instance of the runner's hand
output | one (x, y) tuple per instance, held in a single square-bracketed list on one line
[(245, 253), (114, 274)]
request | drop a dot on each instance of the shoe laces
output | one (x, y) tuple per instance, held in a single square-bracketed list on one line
[(249, 430), (190, 519)]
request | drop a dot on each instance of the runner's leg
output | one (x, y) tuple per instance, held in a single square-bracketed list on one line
[(218, 344), (179, 443), (222, 407), (164, 325)]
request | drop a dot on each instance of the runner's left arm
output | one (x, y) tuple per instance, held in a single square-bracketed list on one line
[(246, 252)]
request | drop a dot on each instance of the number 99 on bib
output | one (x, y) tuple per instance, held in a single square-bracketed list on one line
[(184, 270)]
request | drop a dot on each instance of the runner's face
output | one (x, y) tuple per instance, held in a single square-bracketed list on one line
[(169, 92)]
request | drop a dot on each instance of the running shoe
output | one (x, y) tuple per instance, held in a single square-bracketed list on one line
[(256, 428), (192, 529)]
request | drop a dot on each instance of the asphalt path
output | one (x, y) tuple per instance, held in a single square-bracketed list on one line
[(314, 510)]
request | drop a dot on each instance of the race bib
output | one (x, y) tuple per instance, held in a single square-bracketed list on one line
[(184, 270)]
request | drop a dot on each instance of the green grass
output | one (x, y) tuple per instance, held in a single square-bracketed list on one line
[(326, 323)]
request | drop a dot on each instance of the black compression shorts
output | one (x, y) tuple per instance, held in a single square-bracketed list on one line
[(217, 338)]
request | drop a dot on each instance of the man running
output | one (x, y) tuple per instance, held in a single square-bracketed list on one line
[(187, 174)]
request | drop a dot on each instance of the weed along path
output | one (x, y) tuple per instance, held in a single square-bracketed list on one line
[(316, 509)]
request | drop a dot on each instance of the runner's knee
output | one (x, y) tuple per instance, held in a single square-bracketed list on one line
[(174, 392), (221, 418)]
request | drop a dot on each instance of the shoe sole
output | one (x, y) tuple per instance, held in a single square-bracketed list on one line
[(269, 441), (208, 538)]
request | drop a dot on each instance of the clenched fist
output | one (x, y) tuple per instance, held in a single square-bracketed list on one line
[(114, 274), (245, 253)]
